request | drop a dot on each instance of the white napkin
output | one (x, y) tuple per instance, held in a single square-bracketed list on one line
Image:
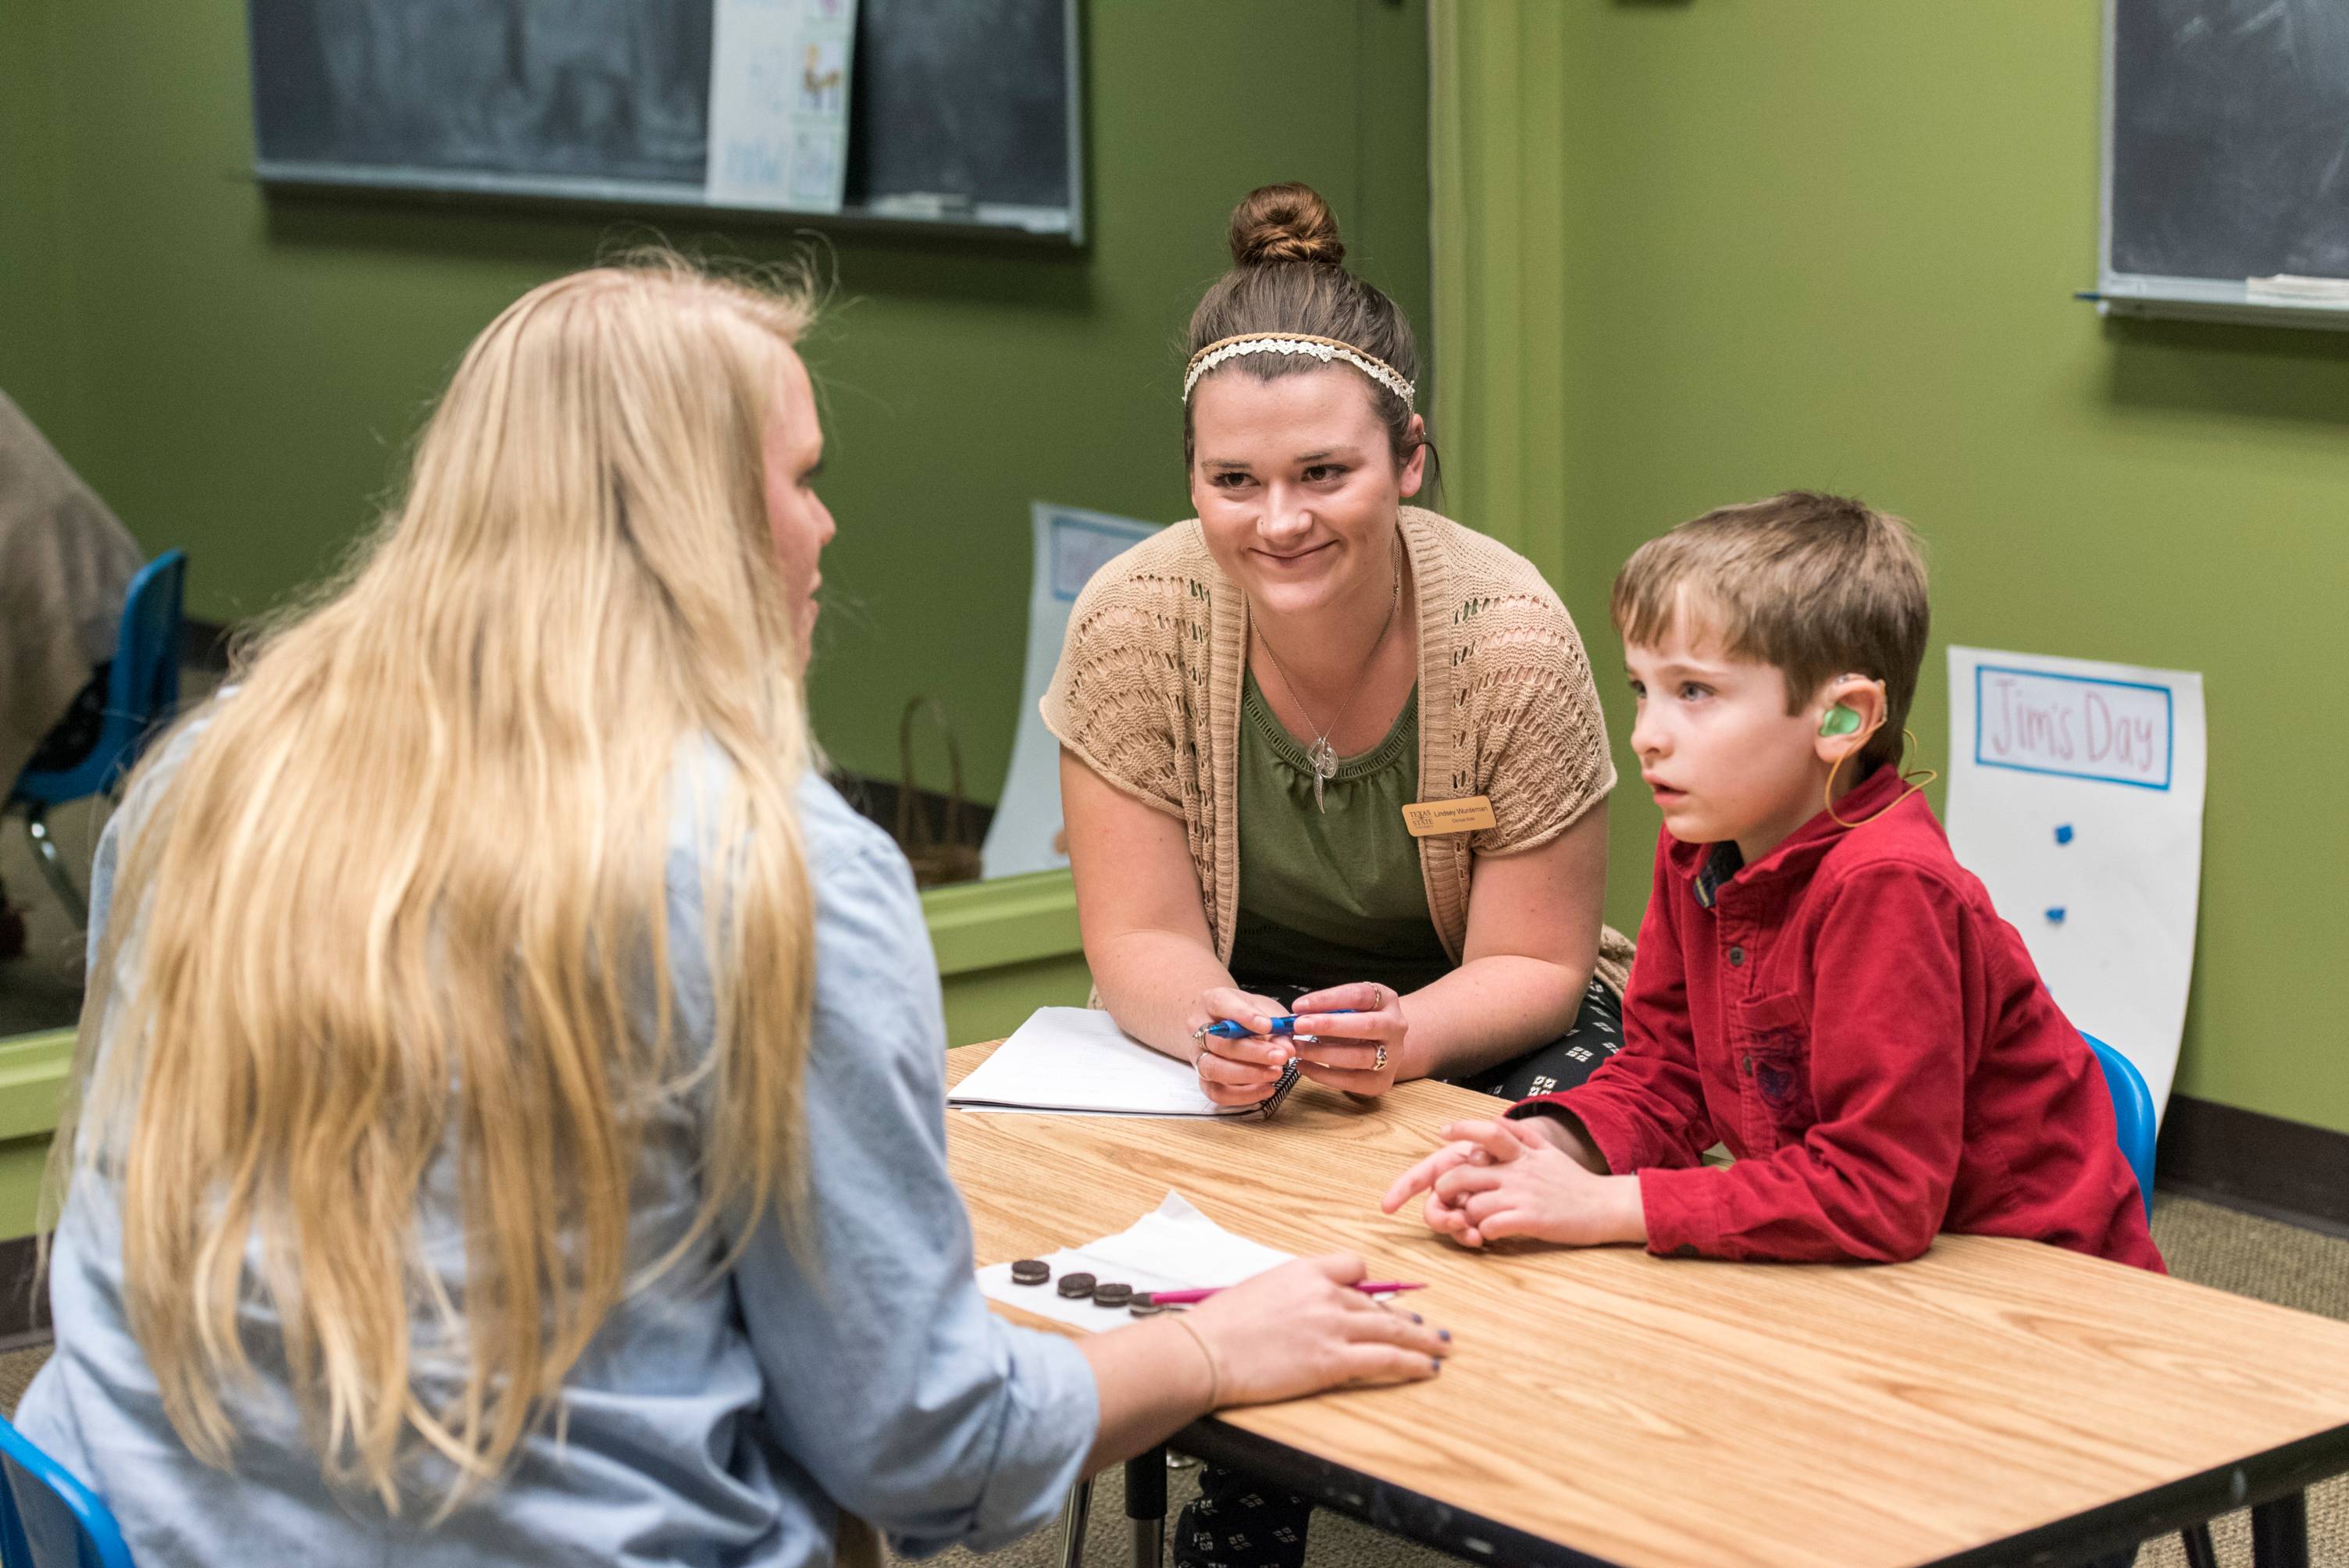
[(1173, 1247)]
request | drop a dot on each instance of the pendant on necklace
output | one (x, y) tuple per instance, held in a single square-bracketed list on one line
[(1324, 758)]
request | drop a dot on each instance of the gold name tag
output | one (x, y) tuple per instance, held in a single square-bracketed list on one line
[(1465, 816)]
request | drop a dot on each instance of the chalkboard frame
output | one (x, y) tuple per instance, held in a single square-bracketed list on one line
[(1045, 225), (2132, 293)]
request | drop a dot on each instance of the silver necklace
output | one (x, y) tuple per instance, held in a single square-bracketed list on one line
[(1321, 754)]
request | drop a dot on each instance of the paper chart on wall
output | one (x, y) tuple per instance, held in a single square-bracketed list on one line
[(778, 103), (1070, 546), (2075, 795)]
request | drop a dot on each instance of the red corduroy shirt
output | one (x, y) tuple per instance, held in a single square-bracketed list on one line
[(1852, 1019)]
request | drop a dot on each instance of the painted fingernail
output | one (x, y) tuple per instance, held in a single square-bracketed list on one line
[(1416, 1318), (1445, 1335), (1433, 1365)]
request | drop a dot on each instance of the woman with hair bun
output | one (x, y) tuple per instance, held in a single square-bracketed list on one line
[(1248, 702)]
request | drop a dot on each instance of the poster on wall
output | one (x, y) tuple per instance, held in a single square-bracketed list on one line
[(1069, 545), (2075, 794), (778, 103)]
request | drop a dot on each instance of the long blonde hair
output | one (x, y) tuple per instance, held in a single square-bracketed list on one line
[(400, 898)]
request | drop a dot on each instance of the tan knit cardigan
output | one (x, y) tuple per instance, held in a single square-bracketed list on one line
[(1148, 694)]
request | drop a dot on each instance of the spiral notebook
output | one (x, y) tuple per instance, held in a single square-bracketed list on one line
[(1076, 1061)]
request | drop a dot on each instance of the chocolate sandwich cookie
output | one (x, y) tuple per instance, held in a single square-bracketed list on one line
[(1031, 1271), (1112, 1295), (1076, 1284), (1143, 1307)]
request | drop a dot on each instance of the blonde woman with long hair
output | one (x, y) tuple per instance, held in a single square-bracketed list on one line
[(511, 1122)]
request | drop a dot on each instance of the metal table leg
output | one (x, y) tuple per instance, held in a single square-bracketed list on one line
[(1073, 1524), (1146, 1507), (2279, 1532), (53, 866)]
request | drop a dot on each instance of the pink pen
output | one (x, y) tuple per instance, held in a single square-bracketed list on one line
[(1186, 1297)]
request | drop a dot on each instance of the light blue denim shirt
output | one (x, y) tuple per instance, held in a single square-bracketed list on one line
[(721, 1426)]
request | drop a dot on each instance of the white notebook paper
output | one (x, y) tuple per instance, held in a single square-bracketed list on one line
[(1077, 1060)]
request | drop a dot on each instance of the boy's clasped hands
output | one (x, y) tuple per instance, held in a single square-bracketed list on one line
[(1537, 1177)]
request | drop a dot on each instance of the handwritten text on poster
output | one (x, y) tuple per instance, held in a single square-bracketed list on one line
[(2117, 731)]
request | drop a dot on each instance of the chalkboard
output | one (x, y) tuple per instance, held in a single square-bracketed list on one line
[(2227, 156), (963, 113), (961, 97)]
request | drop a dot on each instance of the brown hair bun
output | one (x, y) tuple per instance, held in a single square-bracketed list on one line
[(1284, 223)]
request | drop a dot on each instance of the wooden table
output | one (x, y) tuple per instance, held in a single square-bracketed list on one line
[(1994, 1401)]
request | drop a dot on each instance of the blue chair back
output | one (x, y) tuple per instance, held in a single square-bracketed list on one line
[(98, 1539), (141, 689), (2132, 1113)]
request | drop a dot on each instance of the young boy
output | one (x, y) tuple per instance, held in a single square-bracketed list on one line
[(1819, 984)]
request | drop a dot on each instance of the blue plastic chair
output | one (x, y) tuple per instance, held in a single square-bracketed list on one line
[(98, 1539), (2132, 1113), (141, 691)]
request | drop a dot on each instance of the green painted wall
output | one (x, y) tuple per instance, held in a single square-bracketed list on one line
[(1834, 244), (238, 376), (38, 365)]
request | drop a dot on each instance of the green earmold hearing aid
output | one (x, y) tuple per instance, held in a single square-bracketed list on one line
[(1839, 720)]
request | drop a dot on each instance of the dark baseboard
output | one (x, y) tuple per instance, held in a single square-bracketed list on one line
[(2264, 1164), (24, 1293)]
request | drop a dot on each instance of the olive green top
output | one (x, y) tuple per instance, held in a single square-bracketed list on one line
[(1331, 896)]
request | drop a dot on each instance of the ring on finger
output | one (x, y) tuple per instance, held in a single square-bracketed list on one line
[(1379, 1061)]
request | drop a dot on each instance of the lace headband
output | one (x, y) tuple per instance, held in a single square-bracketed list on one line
[(1324, 349)]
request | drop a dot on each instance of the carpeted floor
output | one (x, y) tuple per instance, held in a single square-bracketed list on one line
[(2203, 1241)]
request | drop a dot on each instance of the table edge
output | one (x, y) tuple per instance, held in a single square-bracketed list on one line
[(2199, 1499), (1383, 1505), (2127, 1522)]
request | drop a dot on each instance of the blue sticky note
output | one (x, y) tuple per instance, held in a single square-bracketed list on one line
[(2056, 915), (2063, 834)]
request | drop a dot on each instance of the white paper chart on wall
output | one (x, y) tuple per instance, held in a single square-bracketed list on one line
[(778, 103), (2075, 795), (1068, 544)]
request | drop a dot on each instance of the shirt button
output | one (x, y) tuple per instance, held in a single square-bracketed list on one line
[(1746, 1066), (1737, 957)]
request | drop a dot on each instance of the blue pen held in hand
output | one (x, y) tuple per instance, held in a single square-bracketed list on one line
[(1284, 1024)]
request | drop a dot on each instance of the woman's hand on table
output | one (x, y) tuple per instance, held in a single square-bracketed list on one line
[(1503, 1177), (1241, 1071), (1352, 1037), (1302, 1327)]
